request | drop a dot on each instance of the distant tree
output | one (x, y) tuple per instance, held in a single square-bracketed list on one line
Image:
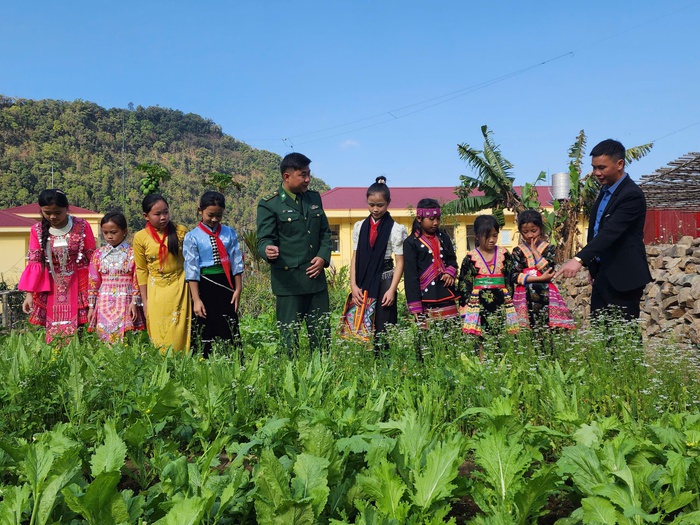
[(85, 143), (222, 182), (154, 174)]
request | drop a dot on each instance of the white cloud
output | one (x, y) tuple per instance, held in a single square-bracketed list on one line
[(349, 144)]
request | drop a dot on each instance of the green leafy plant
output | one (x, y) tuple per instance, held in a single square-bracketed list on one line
[(154, 175), (281, 498), (91, 433), (222, 182), (636, 476)]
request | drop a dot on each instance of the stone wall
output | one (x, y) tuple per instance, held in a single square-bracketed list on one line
[(671, 302)]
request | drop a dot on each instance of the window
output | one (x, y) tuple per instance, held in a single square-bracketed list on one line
[(450, 230), (506, 236), (471, 240), (335, 237)]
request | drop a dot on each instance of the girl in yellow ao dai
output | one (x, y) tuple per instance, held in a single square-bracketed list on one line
[(160, 271)]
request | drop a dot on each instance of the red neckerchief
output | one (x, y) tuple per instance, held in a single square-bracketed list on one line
[(434, 243), (373, 227), (223, 254), (162, 247)]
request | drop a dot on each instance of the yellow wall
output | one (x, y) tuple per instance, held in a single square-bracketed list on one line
[(346, 219), (14, 244)]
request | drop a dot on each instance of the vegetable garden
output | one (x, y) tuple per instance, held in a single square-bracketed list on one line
[(588, 427)]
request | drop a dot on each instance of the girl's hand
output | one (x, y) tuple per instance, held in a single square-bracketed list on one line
[(235, 300), (133, 311), (145, 306), (91, 314), (388, 298), (533, 247), (357, 295), (199, 309), (28, 304), (447, 279), (547, 276)]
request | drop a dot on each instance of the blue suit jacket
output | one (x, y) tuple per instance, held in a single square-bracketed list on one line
[(618, 249)]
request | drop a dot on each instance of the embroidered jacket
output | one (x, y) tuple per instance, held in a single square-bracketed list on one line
[(422, 272)]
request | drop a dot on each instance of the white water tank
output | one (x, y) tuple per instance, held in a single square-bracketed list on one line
[(561, 185)]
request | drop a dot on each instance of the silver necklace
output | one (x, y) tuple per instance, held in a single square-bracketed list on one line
[(59, 232)]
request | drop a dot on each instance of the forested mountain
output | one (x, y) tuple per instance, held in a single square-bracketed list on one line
[(83, 142)]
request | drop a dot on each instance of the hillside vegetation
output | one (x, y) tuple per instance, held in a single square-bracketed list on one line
[(94, 151)]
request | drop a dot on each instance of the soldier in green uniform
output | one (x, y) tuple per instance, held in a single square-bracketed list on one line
[(295, 239)]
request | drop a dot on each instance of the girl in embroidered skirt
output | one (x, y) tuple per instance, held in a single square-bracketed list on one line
[(113, 293), (430, 267), (483, 283), (537, 300), (214, 269), (371, 305), (56, 276), (160, 272)]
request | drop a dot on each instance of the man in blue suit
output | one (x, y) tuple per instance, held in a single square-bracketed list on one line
[(615, 255)]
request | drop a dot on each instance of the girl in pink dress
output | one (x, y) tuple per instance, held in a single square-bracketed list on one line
[(113, 293), (537, 300), (56, 276)]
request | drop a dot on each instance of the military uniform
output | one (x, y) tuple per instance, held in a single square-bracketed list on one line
[(300, 230)]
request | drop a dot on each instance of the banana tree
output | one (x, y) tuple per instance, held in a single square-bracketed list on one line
[(493, 179)]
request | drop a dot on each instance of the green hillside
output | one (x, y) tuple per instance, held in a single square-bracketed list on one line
[(94, 152)]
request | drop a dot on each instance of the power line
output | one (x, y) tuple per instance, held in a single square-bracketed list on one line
[(394, 114), (435, 101), (677, 131)]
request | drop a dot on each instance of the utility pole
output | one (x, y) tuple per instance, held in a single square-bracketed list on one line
[(123, 168)]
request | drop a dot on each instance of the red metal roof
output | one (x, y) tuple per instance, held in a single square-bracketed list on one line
[(12, 217), (34, 209), (9, 220), (344, 197)]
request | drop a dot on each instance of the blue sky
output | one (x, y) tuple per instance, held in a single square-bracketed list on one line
[(368, 88)]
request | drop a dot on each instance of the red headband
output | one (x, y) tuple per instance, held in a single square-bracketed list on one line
[(423, 213)]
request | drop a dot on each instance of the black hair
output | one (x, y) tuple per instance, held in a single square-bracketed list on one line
[(211, 198), (483, 226), (294, 161), (611, 148), (170, 229), (531, 217), (380, 187), (423, 203), (117, 218), (51, 197)]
